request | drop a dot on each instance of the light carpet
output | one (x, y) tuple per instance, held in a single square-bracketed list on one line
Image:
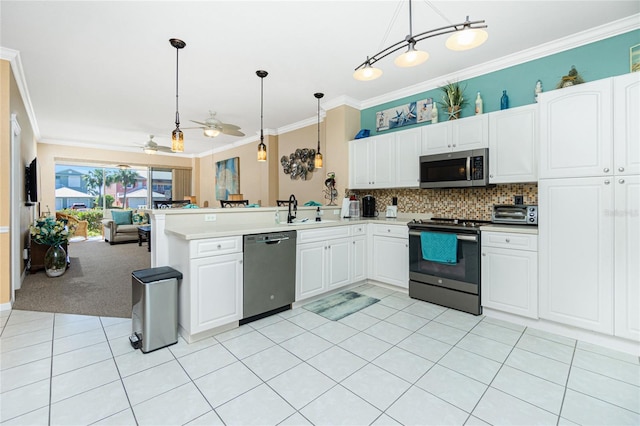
[(340, 305), (98, 282)]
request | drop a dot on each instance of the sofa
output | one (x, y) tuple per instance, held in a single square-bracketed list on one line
[(121, 226)]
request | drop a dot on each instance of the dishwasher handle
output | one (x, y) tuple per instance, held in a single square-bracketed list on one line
[(273, 240)]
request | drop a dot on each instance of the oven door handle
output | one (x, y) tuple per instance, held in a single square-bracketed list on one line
[(468, 168), (473, 238)]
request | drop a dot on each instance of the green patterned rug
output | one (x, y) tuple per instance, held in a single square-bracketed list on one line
[(340, 305)]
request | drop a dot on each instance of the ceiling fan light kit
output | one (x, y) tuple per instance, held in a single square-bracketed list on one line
[(262, 148), (466, 35), (317, 163), (177, 137)]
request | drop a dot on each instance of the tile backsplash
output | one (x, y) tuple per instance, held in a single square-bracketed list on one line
[(463, 203)]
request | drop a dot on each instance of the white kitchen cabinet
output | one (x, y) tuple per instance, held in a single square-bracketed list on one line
[(390, 254), (513, 145), (323, 261), (408, 150), (627, 257), (217, 291), (372, 162), (576, 132), (510, 273), (210, 292), (456, 135), (626, 133), (358, 253), (576, 252)]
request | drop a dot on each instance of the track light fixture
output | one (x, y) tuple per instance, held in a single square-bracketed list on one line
[(177, 137), (262, 148), (466, 35), (317, 162)]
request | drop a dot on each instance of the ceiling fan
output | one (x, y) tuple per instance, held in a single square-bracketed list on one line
[(151, 147), (213, 127)]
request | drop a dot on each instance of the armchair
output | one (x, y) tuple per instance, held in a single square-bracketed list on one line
[(82, 226)]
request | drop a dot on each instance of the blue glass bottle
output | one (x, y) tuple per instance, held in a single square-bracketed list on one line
[(504, 100)]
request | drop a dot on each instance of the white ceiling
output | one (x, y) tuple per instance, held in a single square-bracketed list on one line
[(103, 72)]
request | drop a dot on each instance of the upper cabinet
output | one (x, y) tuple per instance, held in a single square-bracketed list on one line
[(513, 144), (456, 135), (626, 130), (576, 132), (385, 161)]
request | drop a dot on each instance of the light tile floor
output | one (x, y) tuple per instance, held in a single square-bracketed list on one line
[(400, 361)]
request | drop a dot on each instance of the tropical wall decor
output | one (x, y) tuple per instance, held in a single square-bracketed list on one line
[(404, 115), (227, 178)]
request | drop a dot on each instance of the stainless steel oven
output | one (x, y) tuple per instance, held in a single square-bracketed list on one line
[(455, 285)]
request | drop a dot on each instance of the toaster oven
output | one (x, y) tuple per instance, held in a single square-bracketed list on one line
[(518, 214)]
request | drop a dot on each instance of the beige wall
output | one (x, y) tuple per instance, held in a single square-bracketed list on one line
[(5, 175), (11, 103), (256, 178), (343, 123), (49, 154)]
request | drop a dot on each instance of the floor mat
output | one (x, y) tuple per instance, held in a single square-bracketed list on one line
[(340, 305)]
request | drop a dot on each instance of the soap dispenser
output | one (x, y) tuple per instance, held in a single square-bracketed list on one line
[(318, 218)]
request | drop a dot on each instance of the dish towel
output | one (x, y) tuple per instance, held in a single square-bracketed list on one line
[(312, 203), (439, 247)]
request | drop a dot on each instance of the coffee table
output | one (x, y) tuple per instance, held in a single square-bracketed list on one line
[(144, 234)]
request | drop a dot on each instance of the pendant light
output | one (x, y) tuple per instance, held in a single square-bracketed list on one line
[(318, 160), (177, 137), (411, 57), (467, 38), (262, 148)]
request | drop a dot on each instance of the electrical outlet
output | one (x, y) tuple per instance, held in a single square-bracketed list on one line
[(518, 199), (336, 212), (210, 217)]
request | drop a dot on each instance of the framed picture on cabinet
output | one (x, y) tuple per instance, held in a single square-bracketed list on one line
[(634, 58)]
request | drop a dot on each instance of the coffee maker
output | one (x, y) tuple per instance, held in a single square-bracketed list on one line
[(369, 206)]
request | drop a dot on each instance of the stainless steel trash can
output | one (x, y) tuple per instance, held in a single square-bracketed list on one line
[(154, 310)]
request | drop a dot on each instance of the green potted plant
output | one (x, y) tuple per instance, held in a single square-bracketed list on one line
[(53, 233), (453, 99)]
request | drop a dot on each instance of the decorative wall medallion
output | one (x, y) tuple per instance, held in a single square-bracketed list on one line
[(299, 163)]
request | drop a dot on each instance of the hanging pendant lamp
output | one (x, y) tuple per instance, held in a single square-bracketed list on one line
[(317, 162), (262, 148), (177, 137)]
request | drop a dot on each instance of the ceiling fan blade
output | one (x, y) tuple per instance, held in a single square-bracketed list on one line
[(164, 148), (229, 126), (199, 122), (232, 132)]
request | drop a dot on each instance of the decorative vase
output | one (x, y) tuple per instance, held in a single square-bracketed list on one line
[(454, 112), (55, 261)]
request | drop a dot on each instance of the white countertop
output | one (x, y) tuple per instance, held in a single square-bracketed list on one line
[(214, 230)]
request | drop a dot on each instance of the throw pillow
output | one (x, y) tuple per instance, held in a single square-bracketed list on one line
[(140, 218), (121, 217)]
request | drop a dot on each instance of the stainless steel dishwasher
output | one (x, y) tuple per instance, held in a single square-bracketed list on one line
[(269, 274)]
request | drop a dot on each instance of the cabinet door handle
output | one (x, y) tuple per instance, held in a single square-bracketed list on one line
[(606, 170), (621, 181), (454, 145), (621, 169), (606, 182), (490, 176), (507, 240), (240, 262), (219, 246), (484, 254)]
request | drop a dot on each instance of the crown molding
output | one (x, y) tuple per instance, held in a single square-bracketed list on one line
[(560, 45), (13, 57)]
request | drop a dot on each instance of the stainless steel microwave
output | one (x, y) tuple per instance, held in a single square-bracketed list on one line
[(460, 169)]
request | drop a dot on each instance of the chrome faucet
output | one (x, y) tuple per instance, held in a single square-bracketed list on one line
[(292, 202)]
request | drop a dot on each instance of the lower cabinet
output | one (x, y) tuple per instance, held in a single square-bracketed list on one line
[(217, 291), (390, 254), (210, 292), (510, 273)]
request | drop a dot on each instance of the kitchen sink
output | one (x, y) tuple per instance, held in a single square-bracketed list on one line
[(307, 222)]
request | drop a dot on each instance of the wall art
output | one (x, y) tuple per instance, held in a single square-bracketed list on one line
[(299, 163), (227, 178), (404, 115), (634, 58)]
